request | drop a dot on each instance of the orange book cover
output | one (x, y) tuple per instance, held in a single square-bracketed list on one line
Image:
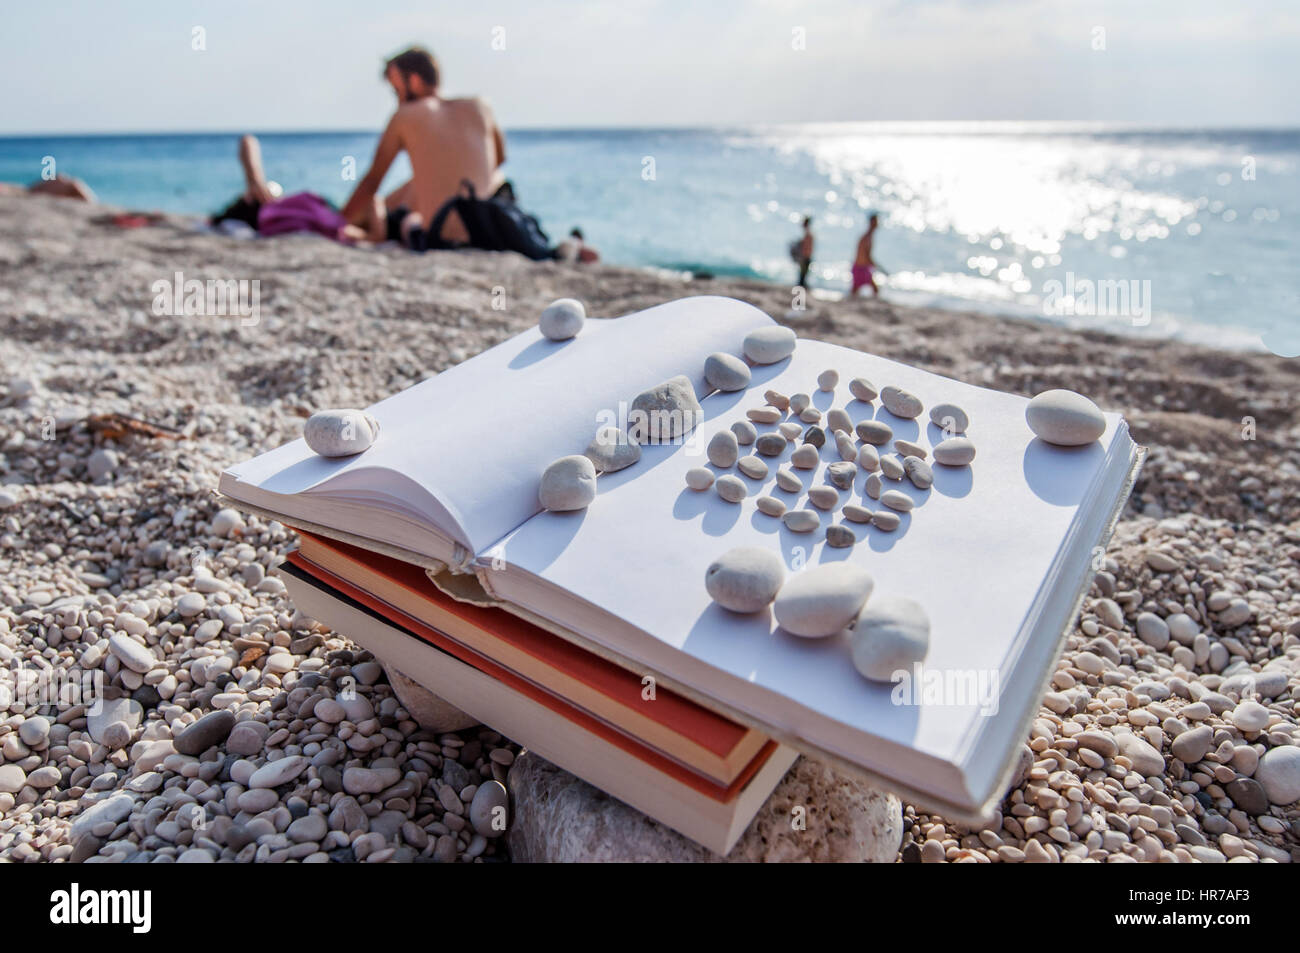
[(710, 730), (490, 619)]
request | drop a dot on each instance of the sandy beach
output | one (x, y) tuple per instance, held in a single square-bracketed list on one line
[(1149, 746)]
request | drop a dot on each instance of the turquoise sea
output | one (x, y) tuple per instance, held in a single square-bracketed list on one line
[(1185, 233)]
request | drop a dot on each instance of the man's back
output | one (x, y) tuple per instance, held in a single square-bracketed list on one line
[(864, 250), (447, 141)]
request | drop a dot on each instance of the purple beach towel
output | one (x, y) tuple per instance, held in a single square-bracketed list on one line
[(300, 212)]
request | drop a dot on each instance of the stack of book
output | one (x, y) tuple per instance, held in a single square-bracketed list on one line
[(588, 636)]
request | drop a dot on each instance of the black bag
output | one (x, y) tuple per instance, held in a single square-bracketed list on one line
[(494, 224)]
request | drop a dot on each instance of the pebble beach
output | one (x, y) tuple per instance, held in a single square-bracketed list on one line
[(236, 729)]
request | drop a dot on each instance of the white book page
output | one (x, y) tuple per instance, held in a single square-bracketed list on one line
[(470, 444), (973, 552)]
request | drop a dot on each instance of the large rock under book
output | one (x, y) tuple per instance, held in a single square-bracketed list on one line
[(559, 818), (427, 710)]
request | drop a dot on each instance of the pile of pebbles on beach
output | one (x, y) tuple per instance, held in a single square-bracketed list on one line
[(96, 531), (1169, 732), (232, 728)]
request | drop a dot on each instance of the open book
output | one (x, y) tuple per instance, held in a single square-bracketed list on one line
[(999, 553)]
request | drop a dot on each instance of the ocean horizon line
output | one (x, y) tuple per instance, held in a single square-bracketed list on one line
[(912, 126)]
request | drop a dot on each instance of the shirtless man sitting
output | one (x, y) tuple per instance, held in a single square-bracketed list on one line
[(447, 141)]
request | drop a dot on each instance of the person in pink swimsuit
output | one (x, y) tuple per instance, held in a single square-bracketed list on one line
[(863, 264)]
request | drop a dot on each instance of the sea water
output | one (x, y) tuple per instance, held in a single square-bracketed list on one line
[(1184, 233)]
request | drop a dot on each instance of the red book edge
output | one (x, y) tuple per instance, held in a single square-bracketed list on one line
[(711, 731), (585, 721)]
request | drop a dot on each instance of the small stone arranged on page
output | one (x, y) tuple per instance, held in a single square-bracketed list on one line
[(722, 449), (745, 579), (890, 634), (815, 437), (699, 478), (907, 448), (777, 400), (801, 521), (1065, 418), (839, 536), (731, 488), (726, 372), (856, 513), (949, 418), (788, 481), (901, 403), (568, 484), (863, 389), (665, 412), (875, 432), (769, 345), (805, 458), (745, 432), (823, 600), (919, 472), (612, 450), (954, 452), (340, 433), (842, 473), (562, 319), (823, 497)]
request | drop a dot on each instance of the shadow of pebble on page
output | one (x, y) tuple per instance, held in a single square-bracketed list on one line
[(833, 554), (954, 482), (686, 455), (719, 515), (901, 426), (1061, 475), (755, 645), (718, 629), (539, 549), (539, 349), (882, 541)]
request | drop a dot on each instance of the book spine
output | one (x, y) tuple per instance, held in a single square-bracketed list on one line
[(471, 587), (463, 560)]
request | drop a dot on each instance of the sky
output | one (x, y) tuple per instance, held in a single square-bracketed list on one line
[(183, 65)]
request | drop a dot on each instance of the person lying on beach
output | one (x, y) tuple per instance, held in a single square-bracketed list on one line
[(448, 141), (265, 209), (61, 186), (863, 265), (258, 190)]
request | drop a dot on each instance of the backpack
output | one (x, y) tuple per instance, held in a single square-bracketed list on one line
[(494, 224)]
